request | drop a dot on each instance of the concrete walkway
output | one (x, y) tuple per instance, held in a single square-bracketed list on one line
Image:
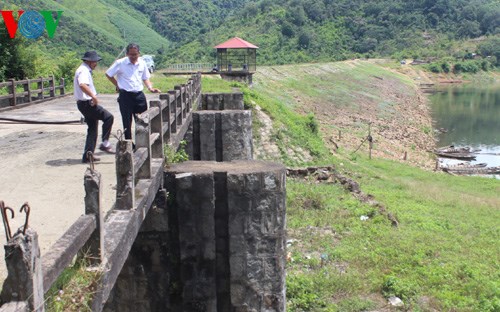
[(41, 164)]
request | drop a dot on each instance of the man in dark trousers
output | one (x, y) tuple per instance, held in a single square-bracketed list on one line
[(131, 73), (88, 104)]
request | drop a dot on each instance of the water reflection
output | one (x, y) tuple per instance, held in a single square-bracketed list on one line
[(471, 116)]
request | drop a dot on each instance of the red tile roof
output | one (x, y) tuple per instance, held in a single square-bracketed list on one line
[(236, 43)]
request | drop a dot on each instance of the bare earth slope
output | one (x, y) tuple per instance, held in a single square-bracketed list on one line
[(347, 96)]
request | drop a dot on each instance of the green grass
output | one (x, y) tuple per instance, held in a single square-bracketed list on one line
[(291, 130), (74, 289), (443, 255)]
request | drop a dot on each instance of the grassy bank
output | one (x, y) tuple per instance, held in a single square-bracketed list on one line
[(442, 256)]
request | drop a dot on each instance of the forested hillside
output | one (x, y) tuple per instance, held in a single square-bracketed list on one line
[(184, 21), (286, 31), (290, 31), (106, 26)]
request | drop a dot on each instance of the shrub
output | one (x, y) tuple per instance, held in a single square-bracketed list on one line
[(67, 66), (394, 286), (172, 156), (312, 123), (301, 293), (446, 67), (287, 30), (435, 68)]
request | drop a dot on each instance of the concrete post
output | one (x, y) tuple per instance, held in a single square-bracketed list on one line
[(52, 86), (222, 135), (236, 133), (24, 278), (27, 89), (222, 101), (93, 200), (166, 116), (197, 241), (142, 140), (157, 128), (62, 87), (173, 111), (125, 175), (12, 87), (257, 240), (40, 88)]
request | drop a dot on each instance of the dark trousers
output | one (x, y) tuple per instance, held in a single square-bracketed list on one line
[(92, 116), (131, 103)]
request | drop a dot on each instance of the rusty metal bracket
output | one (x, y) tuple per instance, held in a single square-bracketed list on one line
[(26, 208), (90, 157), (119, 135), (5, 219)]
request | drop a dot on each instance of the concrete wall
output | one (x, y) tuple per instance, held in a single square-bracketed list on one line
[(221, 101), (144, 282), (231, 234), (218, 242), (221, 135)]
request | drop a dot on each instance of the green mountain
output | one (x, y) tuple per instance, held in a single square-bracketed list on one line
[(286, 31), (185, 21), (292, 31), (106, 26)]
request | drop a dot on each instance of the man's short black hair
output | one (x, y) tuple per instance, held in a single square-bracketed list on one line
[(133, 46)]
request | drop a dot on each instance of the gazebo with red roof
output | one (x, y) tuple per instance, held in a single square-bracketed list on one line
[(236, 56)]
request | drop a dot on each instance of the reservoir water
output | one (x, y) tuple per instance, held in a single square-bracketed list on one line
[(469, 115)]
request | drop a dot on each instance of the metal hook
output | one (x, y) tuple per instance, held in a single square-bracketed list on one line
[(26, 208), (119, 135), (90, 157), (5, 220)]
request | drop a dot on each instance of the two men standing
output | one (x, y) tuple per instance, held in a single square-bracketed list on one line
[(131, 73)]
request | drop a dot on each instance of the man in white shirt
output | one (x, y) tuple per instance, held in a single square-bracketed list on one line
[(131, 73), (87, 102)]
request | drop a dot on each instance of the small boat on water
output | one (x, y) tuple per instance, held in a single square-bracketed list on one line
[(453, 149), (472, 170), (464, 166), (461, 156), (463, 153)]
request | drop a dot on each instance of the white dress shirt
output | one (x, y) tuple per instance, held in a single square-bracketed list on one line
[(83, 75), (129, 76)]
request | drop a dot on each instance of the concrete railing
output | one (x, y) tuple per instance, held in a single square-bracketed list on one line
[(45, 88), (107, 242), (189, 67)]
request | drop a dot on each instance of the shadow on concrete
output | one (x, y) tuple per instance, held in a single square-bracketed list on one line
[(64, 162), (72, 162)]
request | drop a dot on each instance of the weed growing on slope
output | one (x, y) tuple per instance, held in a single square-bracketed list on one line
[(74, 289)]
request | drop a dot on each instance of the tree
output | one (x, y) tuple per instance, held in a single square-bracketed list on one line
[(490, 23), (468, 29), (366, 45), (491, 48), (11, 62), (287, 30), (304, 40), (298, 15)]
